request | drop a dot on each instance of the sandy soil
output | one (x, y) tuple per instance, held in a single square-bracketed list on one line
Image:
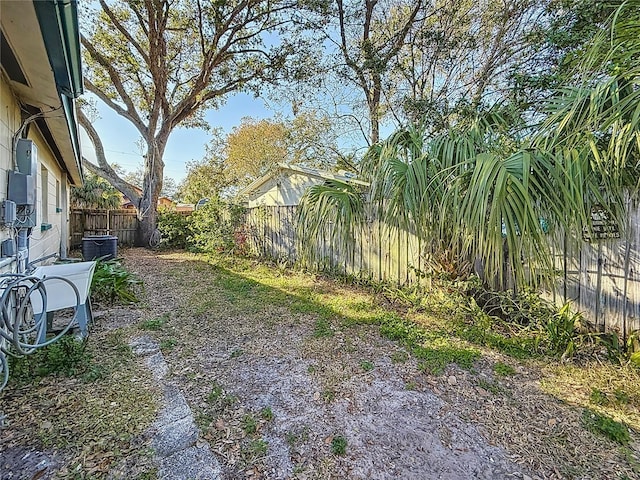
[(274, 400)]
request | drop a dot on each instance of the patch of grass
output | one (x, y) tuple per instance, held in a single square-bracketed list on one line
[(168, 344), (614, 389), (433, 349), (503, 370), (155, 323), (606, 426), (481, 331), (490, 386), (411, 386), (255, 449), (215, 394), (249, 424), (399, 356), (366, 365), (339, 445), (328, 395), (58, 412), (266, 414), (322, 328), (598, 397), (68, 357)]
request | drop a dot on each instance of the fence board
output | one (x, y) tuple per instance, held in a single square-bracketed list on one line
[(381, 254), (123, 224)]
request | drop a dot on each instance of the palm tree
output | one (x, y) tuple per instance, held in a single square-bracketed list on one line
[(95, 192), (483, 190)]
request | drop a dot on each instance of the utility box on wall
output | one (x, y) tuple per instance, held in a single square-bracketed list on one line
[(27, 157), (22, 189), (22, 183)]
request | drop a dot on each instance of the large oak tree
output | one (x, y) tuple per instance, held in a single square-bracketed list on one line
[(161, 63)]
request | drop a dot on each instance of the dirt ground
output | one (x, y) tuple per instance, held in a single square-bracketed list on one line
[(276, 400)]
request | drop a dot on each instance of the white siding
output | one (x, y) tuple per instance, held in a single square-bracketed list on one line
[(41, 242)]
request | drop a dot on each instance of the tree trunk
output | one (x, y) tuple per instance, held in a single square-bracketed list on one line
[(151, 188)]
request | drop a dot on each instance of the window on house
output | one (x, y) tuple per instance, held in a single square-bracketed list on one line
[(44, 189)]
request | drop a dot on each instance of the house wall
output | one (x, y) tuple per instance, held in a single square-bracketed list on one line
[(285, 189), (55, 189)]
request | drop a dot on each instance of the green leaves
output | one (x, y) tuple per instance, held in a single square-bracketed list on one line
[(113, 283)]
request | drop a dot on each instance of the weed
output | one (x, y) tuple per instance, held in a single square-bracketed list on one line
[(168, 344), (215, 394), (203, 421), (236, 353), (366, 365), (399, 356), (266, 414), (560, 329), (255, 449), (411, 386), (503, 370), (606, 426), (94, 373), (291, 438), (113, 283), (311, 369), (302, 436), (339, 445), (249, 424), (322, 328), (490, 386), (155, 323), (621, 396), (598, 397), (328, 395), (67, 357)]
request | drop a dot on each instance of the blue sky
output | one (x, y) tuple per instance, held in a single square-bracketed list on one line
[(119, 136)]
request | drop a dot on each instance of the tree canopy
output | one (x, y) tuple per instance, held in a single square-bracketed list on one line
[(160, 63)]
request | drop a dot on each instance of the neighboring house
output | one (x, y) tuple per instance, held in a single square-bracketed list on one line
[(40, 78), (286, 184), (128, 204)]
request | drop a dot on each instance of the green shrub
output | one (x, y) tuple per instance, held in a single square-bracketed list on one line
[(113, 283), (175, 229), (216, 227)]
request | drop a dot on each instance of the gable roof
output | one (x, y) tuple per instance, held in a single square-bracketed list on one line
[(41, 56), (311, 172)]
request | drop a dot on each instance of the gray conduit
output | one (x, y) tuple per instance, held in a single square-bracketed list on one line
[(20, 329)]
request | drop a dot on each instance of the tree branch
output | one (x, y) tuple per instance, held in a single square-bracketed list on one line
[(103, 168), (125, 32), (131, 112)]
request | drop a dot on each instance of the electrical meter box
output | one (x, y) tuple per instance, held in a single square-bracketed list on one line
[(27, 157), (22, 188)]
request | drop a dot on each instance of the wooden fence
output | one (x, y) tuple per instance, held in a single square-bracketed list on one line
[(123, 224), (601, 279)]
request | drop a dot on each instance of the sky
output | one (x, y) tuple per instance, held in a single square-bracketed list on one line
[(119, 136)]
